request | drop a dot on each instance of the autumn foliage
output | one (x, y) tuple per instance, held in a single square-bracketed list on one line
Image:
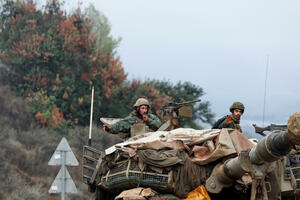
[(51, 51), (52, 59)]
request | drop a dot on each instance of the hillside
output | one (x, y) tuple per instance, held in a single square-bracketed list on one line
[(24, 157)]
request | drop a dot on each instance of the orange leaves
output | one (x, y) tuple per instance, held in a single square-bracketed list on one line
[(65, 95), (156, 98), (149, 90), (76, 32), (29, 46), (15, 22), (39, 81), (85, 77), (41, 119), (95, 72), (67, 29), (47, 55), (26, 78), (38, 116), (49, 50), (29, 6), (31, 24), (43, 81), (80, 100), (112, 76), (56, 117)]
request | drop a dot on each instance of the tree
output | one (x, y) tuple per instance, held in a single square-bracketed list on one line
[(159, 93), (59, 54), (123, 99), (187, 91), (101, 29), (52, 59)]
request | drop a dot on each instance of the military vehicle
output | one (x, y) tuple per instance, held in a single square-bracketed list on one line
[(239, 169)]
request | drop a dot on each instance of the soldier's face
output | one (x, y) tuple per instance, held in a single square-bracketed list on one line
[(143, 109), (237, 113)]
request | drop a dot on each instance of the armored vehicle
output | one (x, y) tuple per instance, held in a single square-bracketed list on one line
[(179, 163)]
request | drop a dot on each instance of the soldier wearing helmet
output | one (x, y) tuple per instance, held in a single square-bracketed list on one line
[(233, 120), (139, 117)]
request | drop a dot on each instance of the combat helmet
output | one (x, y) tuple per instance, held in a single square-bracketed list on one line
[(141, 101), (237, 105)]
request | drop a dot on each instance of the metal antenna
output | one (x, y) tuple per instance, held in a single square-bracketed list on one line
[(266, 77), (91, 118)]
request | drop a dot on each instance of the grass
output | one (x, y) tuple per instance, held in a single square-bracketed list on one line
[(24, 161)]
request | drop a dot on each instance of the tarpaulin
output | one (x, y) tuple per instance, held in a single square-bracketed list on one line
[(175, 139), (223, 147), (199, 193), (205, 145), (136, 193), (162, 158), (187, 177)]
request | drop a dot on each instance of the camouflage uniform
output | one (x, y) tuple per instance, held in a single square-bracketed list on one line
[(228, 121), (124, 125)]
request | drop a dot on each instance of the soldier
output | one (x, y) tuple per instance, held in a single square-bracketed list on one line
[(139, 116), (233, 120)]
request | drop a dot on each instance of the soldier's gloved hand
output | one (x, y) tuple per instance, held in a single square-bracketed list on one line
[(145, 117), (228, 120), (106, 128)]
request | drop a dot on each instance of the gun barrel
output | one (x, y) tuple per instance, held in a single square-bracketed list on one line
[(269, 149), (188, 102), (278, 127), (272, 127), (177, 105)]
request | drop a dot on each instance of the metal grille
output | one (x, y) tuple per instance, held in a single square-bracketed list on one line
[(117, 175), (148, 178), (298, 185), (295, 171), (127, 174), (89, 162), (295, 175)]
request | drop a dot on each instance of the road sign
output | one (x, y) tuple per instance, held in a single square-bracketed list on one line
[(63, 182), (70, 158), (69, 184)]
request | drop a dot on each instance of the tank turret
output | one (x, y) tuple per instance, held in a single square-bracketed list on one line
[(257, 162), (220, 160)]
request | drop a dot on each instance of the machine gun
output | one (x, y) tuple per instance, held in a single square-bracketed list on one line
[(271, 127), (172, 111)]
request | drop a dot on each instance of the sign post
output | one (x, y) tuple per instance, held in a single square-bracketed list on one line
[(63, 182)]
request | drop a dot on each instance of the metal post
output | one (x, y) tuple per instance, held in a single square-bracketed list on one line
[(63, 182), (91, 118)]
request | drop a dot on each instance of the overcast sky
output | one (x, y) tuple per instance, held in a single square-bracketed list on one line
[(221, 46)]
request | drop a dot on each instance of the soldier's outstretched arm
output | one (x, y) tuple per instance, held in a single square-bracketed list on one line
[(122, 126)]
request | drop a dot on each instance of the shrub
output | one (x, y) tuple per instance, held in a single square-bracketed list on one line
[(14, 112)]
